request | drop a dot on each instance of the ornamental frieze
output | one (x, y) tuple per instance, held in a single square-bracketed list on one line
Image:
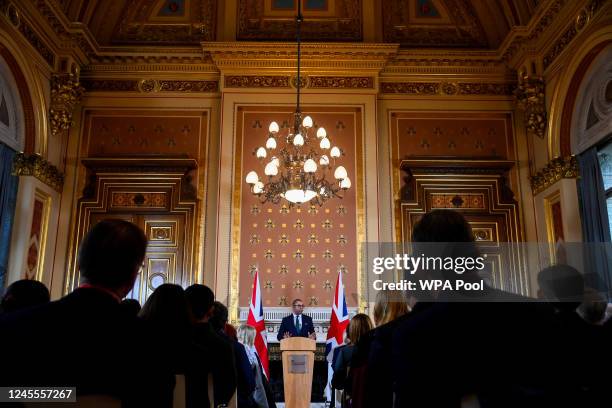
[(34, 165), (447, 88), (340, 82), (256, 81), (149, 85), (557, 169)]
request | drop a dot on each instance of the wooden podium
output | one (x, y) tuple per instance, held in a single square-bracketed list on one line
[(298, 366)]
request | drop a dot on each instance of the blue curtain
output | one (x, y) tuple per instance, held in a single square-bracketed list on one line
[(595, 223), (8, 198)]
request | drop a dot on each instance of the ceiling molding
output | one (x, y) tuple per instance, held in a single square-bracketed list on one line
[(316, 57)]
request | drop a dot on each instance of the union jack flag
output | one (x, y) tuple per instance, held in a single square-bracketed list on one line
[(256, 320), (339, 320)]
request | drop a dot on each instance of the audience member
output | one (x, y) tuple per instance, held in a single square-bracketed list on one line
[(370, 381), (131, 306), (453, 347), (593, 307), (22, 294), (84, 339), (245, 377), (359, 325), (167, 312), (246, 337), (200, 299)]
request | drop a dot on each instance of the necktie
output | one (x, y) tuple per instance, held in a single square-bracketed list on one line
[(298, 325)]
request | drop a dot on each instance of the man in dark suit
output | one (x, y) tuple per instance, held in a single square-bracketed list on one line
[(201, 300), (85, 339), (296, 324)]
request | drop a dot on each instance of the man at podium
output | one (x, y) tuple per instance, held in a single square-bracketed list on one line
[(296, 324)]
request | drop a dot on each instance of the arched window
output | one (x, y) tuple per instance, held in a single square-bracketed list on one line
[(11, 111)]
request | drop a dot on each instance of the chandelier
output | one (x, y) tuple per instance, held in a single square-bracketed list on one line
[(299, 162)]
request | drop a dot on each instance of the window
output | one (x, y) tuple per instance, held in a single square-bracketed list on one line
[(11, 115), (605, 164)]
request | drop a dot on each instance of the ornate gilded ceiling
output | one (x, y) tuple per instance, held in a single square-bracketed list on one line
[(476, 24)]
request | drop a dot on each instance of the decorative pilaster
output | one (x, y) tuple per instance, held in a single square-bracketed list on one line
[(557, 169), (66, 93), (530, 98), (34, 165)]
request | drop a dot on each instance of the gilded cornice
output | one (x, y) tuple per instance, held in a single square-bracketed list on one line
[(448, 88), (34, 165), (521, 37), (149, 85), (18, 21), (338, 57), (557, 169), (580, 21)]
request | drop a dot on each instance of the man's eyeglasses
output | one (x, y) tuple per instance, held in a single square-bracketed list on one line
[(298, 306)]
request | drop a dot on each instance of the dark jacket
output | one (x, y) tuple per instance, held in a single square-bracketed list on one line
[(288, 326), (508, 354), (87, 341), (222, 363)]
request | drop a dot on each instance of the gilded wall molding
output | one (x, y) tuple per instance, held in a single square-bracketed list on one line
[(447, 88), (557, 169), (285, 81), (581, 20), (341, 82), (66, 93), (149, 85), (530, 98), (256, 81), (16, 19), (34, 165)]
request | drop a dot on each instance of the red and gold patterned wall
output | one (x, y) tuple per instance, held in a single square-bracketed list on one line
[(145, 133), (450, 135), (298, 250)]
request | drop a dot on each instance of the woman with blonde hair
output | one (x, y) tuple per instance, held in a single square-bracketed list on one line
[(246, 336), (388, 307), (370, 382)]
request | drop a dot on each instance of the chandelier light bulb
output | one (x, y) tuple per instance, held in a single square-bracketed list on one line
[(310, 166), (273, 128), (325, 144), (258, 187), (307, 122), (322, 191), (345, 184), (271, 169), (275, 161), (298, 140), (324, 160), (334, 152), (261, 153), (340, 173), (321, 133), (252, 177), (271, 143)]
